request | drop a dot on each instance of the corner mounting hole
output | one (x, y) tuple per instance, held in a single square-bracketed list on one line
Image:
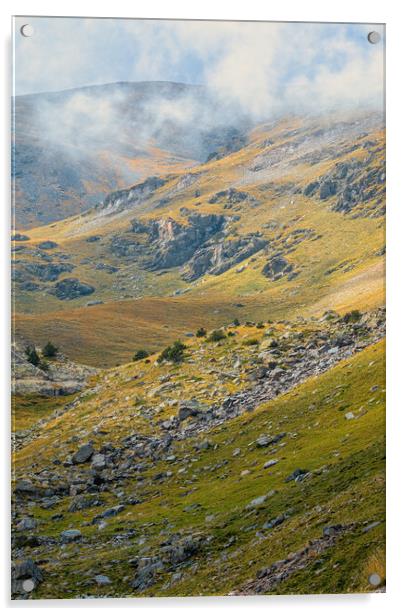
[(373, 37), (28, 585), (27, 30), (374, 579)]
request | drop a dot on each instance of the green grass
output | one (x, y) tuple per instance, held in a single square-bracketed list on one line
[(28, 409), (347, 486)]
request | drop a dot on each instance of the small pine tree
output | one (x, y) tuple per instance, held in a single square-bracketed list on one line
[(140, 354), (236, 322), (352, 317), (43, 365), (32, 355), (174, 352), (201, 332), (216, 335), (251, 342), (49, 350)]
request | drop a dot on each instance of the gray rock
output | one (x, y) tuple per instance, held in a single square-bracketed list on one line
[(84, 501), (26, 487), (265, 440), (145, 576), (84, 454), (47, 245), (270, 463), (26, 524), (297, 475), (98, 462), (102, 580), (72, 534), (330, 531), (188, 408), (25, 576), (257, 502), (71, 288), (19, 237), (183, 550)]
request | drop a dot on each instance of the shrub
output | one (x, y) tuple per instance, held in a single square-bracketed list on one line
[(251, 342), (174, 352), (43, 365), (352, 317), (260, 325), (140, 354), (32, 355), (236, 322), (216, 335), (49, 350), (201, 332)]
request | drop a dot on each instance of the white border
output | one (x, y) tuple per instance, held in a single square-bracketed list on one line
[(384, 11)]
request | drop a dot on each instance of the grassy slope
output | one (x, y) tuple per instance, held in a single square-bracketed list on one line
[(29, 409), (347, 246), (347, 486)]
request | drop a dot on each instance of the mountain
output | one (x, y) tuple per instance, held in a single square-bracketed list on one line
[(229, 435), (291, 223), (71, 148)]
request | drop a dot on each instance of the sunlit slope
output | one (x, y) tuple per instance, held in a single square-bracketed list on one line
[(205, 492), (331, 242)]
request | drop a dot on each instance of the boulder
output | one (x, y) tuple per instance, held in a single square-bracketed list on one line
[(71, 288), (72, 534), (84, 453), (47, 245), (188, 408), (19, 237), (26, 524), (102, 580), (98, 462), (25, 576)]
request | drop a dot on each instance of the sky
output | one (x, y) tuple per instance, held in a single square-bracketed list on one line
[(259, 65)]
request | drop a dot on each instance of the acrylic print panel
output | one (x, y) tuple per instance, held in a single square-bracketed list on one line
[(198, 328)]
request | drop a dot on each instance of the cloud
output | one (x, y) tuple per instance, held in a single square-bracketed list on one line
[(260, 65), (255, 69)]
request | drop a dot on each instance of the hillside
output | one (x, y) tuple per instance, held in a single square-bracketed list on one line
[(254, 465), (71, 148), (290, 224), (213, 420)]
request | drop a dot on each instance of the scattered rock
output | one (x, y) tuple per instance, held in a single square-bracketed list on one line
[(71, 288), (72, 534), (297, 475), (102, 580), (26, 524), (19, 237), (26, 570), (270, 463), (47, 245), (84, 453)]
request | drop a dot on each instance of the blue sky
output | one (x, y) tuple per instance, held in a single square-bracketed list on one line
[(257, 64)]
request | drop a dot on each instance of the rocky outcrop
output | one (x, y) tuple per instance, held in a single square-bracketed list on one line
[(217, 257), (46, 272), (175, 243), (47, 245), (277, 268), (354, 184), (60, 377), (19, 237), (71, 288), (232, 197), (128, 198)]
